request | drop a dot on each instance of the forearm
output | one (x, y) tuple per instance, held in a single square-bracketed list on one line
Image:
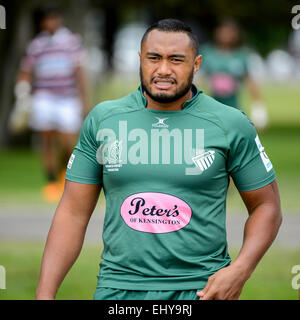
[(24, 76), (254, 90), (260, 231), (83, 89), (62, 248)]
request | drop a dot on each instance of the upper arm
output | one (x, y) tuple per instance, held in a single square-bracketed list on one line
[(84, 165), (29, 59), (247, 162), (80, 199), (24, 76), (268, 194), (80, 75), (251, 169)]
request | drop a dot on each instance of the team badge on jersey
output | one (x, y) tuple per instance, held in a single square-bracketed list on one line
[(114, 152), (109, 155), (205, 160)]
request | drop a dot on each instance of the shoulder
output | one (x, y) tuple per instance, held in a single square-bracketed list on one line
[(229, 118), (75, 40), (36, 44), (70, 39), (210, 105), (111, 108), (243, 52)]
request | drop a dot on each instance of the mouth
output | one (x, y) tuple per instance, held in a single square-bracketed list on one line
[(163, 84)]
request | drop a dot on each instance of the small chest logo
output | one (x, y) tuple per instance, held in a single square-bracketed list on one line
[(111, 155), (160, 123), (114, 152), (205, 160)]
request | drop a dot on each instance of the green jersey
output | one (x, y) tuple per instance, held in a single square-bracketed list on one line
[(165, 176), (226, 70)]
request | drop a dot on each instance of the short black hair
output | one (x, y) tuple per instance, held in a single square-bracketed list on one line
[(48, 10), (173, 25)]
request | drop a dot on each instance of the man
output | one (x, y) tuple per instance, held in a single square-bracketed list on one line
[(163, 156), (53, 65), (225, 63)]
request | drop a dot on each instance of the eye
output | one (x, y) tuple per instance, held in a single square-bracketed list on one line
[(153, 58), (176, 60)]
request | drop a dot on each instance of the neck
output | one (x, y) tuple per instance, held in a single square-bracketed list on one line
[(172, 106)]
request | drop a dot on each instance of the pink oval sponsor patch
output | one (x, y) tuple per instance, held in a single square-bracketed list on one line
[(155, 212)]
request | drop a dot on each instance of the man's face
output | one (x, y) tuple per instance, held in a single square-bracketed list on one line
[(167, 65), (51, 23), (227, 36)]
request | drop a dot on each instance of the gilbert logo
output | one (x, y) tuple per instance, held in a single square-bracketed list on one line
[(160, 123)]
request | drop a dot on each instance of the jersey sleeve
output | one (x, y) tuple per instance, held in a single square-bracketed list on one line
[(77, 50), (29, 59), (83, 166), (245, 61), (248, 163)]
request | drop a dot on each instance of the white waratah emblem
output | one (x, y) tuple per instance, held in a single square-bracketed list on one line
[(114, 152), (160, 123), (204, 160)]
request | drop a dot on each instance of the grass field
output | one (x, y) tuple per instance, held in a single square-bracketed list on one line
[(21, 179), (271, 279)]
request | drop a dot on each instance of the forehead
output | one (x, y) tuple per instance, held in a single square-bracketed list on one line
[(163, 42)]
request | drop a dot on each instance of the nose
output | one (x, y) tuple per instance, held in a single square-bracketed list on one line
[(164, 68)]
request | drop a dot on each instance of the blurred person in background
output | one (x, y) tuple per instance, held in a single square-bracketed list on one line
[(225, 63), (52, 72)]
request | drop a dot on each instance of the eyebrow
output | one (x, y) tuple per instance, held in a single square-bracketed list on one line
[(175, 55)]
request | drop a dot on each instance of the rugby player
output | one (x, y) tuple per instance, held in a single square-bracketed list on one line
[(227, 67), (163, 156), (52, 71)]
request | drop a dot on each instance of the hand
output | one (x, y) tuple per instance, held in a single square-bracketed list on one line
[(225, 284), (85, 109), (259, 115), (44, 297)]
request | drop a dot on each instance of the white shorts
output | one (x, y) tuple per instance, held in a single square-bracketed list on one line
[(52, 112)]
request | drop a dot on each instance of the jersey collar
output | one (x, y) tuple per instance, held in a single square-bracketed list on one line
[(196, 93)]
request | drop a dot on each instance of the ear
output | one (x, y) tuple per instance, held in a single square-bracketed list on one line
[(140, 55), (197, 63)]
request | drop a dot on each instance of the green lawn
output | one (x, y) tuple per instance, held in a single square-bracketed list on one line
[(271, 279)]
